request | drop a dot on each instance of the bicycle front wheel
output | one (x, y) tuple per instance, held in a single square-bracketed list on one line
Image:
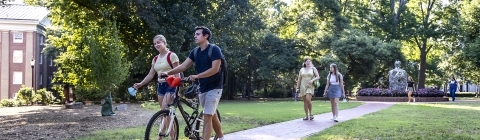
[(199, 126), (158, 126)]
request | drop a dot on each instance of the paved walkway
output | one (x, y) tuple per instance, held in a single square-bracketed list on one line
[(298, 128)]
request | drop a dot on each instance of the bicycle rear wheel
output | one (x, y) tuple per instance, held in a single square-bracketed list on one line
[(159, 120), (199, 126)]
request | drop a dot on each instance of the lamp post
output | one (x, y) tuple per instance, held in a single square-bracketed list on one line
[(32, 64)]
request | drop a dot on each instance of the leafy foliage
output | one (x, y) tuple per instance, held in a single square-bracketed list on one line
[(8, 103), (264, 41), (44, 96), (26, 95), (423, 92)]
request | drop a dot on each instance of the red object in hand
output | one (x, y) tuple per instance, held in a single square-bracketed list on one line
[(170, 79), (176, 82)]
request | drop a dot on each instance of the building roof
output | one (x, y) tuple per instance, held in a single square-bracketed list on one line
[(23, 12)]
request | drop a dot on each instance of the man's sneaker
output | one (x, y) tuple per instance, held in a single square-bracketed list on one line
[(335, 119)]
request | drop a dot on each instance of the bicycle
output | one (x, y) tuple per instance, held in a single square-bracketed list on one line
[(194, 121)]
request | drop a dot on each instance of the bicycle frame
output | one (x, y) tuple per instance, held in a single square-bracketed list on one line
[(190, 119)]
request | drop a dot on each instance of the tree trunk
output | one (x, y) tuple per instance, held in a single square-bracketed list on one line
[(423, 64), (265, 93), (249, 81), (231, 89)]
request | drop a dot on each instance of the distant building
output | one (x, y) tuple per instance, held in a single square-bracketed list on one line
[(22, 29)]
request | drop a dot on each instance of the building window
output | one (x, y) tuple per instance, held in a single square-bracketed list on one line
[(51, 62), (40, 79), (17, 77), (41, 39), (17, 56), (41, 59), (18, 37)]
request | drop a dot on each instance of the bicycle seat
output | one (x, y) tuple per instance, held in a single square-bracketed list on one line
[(192, 91)]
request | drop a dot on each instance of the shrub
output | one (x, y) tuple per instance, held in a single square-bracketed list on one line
[(369, 92), (9, 103), (44, 96), (277, 92), (25, 94), (429, 92), (424, 92), (399, 93), (21, 102)]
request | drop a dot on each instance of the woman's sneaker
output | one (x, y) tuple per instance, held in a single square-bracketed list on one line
[(334, 119)]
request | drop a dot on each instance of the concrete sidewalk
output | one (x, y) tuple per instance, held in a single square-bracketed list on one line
[(298, 128)]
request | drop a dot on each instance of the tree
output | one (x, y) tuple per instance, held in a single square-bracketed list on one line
[(468, 57), (426, 30), (365, 55), (88, 51)]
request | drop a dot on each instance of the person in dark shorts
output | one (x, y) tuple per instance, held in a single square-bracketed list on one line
[(410, 88)]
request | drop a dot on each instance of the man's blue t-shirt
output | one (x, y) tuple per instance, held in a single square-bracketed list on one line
[(204, 63)]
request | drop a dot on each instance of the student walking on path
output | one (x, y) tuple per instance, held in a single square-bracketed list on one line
[(164, 61), (334, 89), (453, 86), (410, 88), (307, 75), (208, 68)]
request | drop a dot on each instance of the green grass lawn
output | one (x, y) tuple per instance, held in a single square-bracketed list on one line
[(235, 115), (452, 121)]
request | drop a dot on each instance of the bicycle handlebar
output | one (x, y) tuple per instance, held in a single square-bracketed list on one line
[(183, 80)]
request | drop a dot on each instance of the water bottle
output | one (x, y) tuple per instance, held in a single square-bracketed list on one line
[(413, 99), (132, 91), (296, 96)]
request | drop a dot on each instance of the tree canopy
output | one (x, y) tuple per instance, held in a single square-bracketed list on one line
[(107, 45)]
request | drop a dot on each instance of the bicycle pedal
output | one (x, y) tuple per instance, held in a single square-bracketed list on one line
[(163, 135)]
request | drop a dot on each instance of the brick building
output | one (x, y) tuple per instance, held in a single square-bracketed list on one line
[(22, 29)]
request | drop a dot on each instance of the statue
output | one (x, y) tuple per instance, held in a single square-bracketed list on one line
[(397, 77)]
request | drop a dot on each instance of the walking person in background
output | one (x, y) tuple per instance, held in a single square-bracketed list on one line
[(453, 86), (334, 89), (307, 75), (478, 90), (410, 88)]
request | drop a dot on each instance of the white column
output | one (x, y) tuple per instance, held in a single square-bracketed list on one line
[(28, 56), (4, 68)]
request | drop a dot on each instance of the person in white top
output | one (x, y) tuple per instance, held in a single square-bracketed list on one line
[(334, 89), (164, 61)]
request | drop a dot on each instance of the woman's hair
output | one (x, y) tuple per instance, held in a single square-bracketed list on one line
[(453, 77), (335, 71), (161, 38), (410, 79), (305, 60)]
